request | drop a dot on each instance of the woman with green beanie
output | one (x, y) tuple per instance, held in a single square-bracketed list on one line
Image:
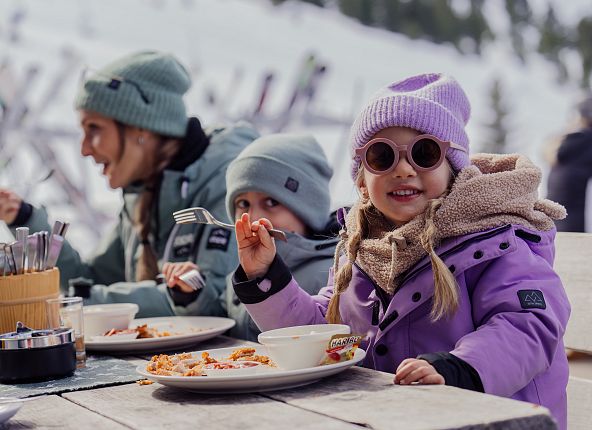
[(135, 125)]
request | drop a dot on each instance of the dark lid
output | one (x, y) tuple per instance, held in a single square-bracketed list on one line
[(26, 338)]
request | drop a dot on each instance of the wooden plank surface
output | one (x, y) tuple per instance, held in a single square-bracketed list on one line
[(369, 398), (579, 404), (573, 263), (157, 407), (55, 412)]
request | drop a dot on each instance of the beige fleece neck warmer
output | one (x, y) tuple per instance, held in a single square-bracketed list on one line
[(494, 190)]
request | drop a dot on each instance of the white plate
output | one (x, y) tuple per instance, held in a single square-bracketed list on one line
[(211, 327), (268, 381), (8, 410)]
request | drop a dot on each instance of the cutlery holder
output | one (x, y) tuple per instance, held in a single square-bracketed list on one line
[(22, 298)]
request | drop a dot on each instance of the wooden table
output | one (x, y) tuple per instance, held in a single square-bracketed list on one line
[(354, 398)]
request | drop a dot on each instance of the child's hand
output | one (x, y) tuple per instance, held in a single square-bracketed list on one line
[(256, 248), (419, 371), (172, 271)]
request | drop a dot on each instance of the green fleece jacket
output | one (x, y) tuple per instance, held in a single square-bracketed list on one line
[(112, 269)]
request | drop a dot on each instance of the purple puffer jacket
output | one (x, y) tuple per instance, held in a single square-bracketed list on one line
[(509, 326)]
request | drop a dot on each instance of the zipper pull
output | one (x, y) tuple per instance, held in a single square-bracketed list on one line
[(375, 312)]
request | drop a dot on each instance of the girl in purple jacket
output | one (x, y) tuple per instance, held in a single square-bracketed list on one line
[(444, 264)]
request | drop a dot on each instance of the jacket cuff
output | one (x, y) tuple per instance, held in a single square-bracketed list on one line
[(248, 291), (181, 298), (456, 372), (24, 214)]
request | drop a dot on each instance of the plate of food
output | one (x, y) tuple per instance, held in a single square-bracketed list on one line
[(159, 334), (224, 371)]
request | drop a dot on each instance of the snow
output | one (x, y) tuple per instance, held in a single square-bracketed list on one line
[(219, 39)]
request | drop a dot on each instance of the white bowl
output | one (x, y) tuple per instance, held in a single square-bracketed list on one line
[(302, 346), (98, 319)]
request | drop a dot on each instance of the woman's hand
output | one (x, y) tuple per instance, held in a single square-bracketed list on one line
[(172, 271), (413, 370), (10, 204), (256, 248)]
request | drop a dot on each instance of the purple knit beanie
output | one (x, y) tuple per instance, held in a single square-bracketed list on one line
[(432, 103)]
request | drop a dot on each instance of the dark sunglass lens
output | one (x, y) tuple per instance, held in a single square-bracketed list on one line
[(426, 153), (380, 156)]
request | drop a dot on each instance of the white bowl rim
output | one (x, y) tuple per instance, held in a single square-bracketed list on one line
[(109, 309), (268, 337)]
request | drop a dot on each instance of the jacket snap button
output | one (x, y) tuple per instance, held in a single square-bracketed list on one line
[(415, 297), (478, 254), (504, 245), (452, 268), (381, 349)]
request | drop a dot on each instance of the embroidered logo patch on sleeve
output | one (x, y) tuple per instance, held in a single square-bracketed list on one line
[(218, 239), (532, 299)]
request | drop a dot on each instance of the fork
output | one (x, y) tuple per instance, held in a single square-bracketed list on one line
[(203, 216)]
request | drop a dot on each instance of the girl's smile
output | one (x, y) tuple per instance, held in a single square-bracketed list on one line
[(405, 194)]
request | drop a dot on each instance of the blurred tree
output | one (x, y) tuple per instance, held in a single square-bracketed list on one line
[(422, 19), (553, 39), (520, 16), (320, 3), (390, 15), (584, 46), (468, 29), (497, 135), (359, 9)]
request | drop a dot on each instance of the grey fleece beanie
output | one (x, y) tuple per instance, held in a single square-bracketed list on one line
[(291, 169), (144, 89)]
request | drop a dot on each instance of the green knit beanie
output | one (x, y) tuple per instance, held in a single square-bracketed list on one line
[(144, 89), (291, 169)]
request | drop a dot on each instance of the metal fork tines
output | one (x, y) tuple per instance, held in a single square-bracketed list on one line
[(203, 216)]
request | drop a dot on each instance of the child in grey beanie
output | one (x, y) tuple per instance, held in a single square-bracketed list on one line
[(284, 178)]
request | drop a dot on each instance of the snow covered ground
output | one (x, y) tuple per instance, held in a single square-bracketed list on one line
[(220, 40)]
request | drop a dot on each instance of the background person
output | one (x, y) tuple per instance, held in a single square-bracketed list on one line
[(571, 172)]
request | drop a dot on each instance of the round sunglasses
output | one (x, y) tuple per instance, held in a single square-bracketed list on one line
[(380, 156)]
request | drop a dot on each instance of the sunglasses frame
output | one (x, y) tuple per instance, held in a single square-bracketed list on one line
[(397, 149)]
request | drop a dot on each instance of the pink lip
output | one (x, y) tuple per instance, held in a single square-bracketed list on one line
[(406, 188)]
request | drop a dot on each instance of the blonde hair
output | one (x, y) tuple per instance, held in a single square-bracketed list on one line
[(147, 267), (445, 300)]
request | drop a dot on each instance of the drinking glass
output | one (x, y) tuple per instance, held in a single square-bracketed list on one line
[(66, 312)]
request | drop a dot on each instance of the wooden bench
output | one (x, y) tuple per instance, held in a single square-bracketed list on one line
[(573, 263)]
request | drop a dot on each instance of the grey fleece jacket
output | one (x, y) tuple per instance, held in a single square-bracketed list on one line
[(112, 269)]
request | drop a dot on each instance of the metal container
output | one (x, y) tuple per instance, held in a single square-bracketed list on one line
[(36, 355)]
